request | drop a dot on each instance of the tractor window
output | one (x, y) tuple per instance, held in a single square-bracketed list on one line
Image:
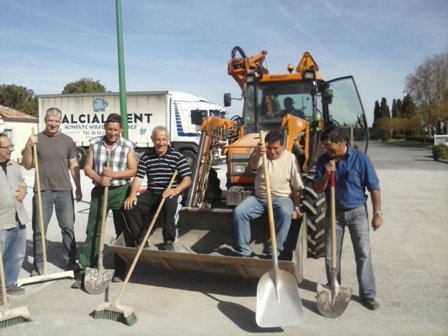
[(346, 110)]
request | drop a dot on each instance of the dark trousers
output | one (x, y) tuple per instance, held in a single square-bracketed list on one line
[(89, 252), (139, 217)]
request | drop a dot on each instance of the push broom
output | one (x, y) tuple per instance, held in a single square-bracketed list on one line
[(115, 311), (10, 317), (44, 276)]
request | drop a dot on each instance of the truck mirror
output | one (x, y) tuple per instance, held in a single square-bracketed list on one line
[(327, 95), (227, 99), (197, 116)]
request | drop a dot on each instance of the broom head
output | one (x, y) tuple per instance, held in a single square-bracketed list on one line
[(115, 312), (11, 317)]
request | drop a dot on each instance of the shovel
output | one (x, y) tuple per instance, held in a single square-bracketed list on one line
[(332, 299), (97, 280), (278, 300)]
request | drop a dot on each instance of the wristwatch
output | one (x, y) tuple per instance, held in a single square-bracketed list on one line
[(377, 213)]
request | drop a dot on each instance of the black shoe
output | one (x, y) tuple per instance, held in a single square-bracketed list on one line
[(117, 278), (370, 304), (168, 246), (73, 265), (78, 281), (15, 290), (37, 270)]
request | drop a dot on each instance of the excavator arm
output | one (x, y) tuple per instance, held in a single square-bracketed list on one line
[(239, 67)]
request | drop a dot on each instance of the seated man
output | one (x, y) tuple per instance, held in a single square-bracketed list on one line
[(285, 182), (158, 164), (289, 108)]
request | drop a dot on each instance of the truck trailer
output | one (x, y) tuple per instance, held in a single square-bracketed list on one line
[(83, 117)]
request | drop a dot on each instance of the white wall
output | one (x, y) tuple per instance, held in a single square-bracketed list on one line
[(19, 132)]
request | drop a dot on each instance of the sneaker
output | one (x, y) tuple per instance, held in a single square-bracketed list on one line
[(370, 304), (73, 265), (15, 290), (37, 270)]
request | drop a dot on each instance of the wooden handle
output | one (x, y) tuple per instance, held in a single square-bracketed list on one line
[(104, 209), (39, 206), (142, 245), (333, 220)]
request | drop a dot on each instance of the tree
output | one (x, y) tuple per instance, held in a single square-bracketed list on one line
[(376, 112), (408, 109), (19, 98), (395, 112), (428, 86), (385, 112), (84, 85)]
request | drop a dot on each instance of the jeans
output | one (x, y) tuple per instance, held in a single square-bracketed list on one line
[(90, 249), (253, 207), (13, 245), (357, 222), (62, 202)]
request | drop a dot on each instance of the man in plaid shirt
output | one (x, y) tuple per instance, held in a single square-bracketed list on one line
[(116, 176)]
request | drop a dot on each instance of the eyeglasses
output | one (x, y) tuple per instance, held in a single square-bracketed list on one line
[(10, 147)]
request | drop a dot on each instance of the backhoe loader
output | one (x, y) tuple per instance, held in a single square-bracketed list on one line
[(205, 224)]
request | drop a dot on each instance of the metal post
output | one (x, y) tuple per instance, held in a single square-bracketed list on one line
[(121, 73)]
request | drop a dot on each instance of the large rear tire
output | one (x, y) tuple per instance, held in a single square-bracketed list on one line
[(315, 207)]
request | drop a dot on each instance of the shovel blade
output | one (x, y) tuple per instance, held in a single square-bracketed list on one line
[(96, 281), (330, 304), (278, 302)]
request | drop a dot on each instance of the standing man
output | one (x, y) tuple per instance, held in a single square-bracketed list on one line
[(56, 153), (286, 185), (123, 166), (354, 174), (158, 164), (13, 216)]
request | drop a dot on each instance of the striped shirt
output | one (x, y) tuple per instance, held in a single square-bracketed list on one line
[(160, 169), (118, 157)]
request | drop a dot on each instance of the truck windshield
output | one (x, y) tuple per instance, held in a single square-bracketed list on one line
[(273, 101)]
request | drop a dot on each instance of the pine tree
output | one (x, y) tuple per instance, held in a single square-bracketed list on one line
[(385, 112)]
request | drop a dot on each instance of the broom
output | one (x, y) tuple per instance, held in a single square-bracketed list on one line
[(10, 317), (115, 311)]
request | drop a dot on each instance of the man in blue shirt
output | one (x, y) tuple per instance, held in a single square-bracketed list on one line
[(354, 174)]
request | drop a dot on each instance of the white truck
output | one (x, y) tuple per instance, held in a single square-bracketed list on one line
[(83, 117)]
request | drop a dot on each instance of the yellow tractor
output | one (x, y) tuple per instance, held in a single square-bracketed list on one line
[(298, 102)]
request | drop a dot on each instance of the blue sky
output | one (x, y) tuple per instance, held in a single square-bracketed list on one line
[(185, 45)]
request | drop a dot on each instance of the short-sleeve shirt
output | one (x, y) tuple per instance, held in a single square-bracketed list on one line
[(160, 169), (118, 157), (353, 176), (284, 177), (54, 154)]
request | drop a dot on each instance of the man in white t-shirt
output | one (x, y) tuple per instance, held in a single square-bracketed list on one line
[(286, 185)]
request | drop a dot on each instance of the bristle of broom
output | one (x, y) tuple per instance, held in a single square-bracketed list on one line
[(125, 315), (8, 322)]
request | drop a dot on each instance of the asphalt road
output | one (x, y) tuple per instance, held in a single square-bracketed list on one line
[(410, 254)]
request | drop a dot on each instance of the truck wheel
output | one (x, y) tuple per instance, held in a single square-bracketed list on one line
[(190, 156), (81, 155), (315, 207)]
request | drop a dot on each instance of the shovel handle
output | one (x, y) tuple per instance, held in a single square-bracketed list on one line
[(269, 205), (104, 209), (333, 221)]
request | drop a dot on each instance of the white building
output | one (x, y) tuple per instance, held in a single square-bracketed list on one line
[(18, 126)]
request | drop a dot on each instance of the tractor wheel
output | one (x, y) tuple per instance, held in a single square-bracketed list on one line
[(315, 206)]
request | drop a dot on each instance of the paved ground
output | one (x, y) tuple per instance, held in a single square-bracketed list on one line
[(410, 259)]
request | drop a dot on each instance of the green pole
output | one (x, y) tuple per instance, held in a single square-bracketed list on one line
[(121, 74)]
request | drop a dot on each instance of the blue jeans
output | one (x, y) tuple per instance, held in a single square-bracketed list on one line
[(62, 202), (253, 207), (13, 244), (357, 222)]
